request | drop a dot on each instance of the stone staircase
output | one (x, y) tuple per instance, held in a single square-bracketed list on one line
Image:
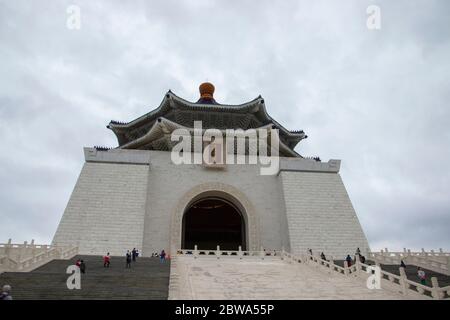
[(411, 273), (147, 279), (253, 278)]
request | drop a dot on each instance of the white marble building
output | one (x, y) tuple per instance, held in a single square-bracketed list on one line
[(136, 196)]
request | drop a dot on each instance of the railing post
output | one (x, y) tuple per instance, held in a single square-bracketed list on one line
[(195, 252), (8, 248), (435, 291), (218, 252), (331, 263), (403, 282), (240, 253), (346, 267), (23, 250), (33, 248), (358, 265)]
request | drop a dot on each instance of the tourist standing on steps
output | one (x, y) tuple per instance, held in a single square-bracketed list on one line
[(134, 254), (362, 259), (162, 256), (128, 259), (6, 293), (322, 256), (349, 260), (82, 267), (106, 261), (421, 275)]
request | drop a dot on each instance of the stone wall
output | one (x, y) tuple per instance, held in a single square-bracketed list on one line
[(106, 209), (320, 214), (131, 198), (172, 186)]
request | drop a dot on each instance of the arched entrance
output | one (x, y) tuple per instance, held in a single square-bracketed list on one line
[(213, 221)]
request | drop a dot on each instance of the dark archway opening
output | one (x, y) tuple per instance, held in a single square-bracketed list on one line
[(213, 221)]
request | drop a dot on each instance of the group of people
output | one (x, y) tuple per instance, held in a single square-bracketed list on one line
[(349, 259), (131, 256), (80, 264), (420, 272), (358, 256)]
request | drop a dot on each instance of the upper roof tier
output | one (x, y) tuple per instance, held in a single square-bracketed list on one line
[(250, 115)]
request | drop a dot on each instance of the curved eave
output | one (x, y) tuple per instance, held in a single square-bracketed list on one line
[(172, 101), (164, 127)]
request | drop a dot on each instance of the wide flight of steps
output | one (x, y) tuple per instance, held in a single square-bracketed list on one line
[(148, 279), (271, 278)]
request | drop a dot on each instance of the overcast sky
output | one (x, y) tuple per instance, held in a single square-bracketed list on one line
[(377, 99)]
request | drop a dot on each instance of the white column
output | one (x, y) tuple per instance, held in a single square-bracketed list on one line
[(331, 262), (195, 252), (403, 279), (346, 268), (435, 292), (218, 253), (8, 248), (358, 265)]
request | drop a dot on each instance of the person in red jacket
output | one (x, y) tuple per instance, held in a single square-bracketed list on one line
[(106, 260)]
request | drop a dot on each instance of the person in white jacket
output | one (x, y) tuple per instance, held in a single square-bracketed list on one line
[(6, 293)]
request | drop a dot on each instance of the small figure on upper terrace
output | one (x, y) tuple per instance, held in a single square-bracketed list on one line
[(421, 275), (402, 264), (322, 256), (134, 254)]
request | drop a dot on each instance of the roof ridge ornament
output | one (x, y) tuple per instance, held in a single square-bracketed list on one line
[(206, 93)]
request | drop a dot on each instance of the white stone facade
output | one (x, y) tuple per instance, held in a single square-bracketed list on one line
[(132, 198)]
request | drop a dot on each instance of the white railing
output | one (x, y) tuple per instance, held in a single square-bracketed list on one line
[(231, 253), (358, 269), (406, 285), (434, 261), (26, 257)]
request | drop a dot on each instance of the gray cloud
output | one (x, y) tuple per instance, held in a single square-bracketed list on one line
[(378, 100)]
